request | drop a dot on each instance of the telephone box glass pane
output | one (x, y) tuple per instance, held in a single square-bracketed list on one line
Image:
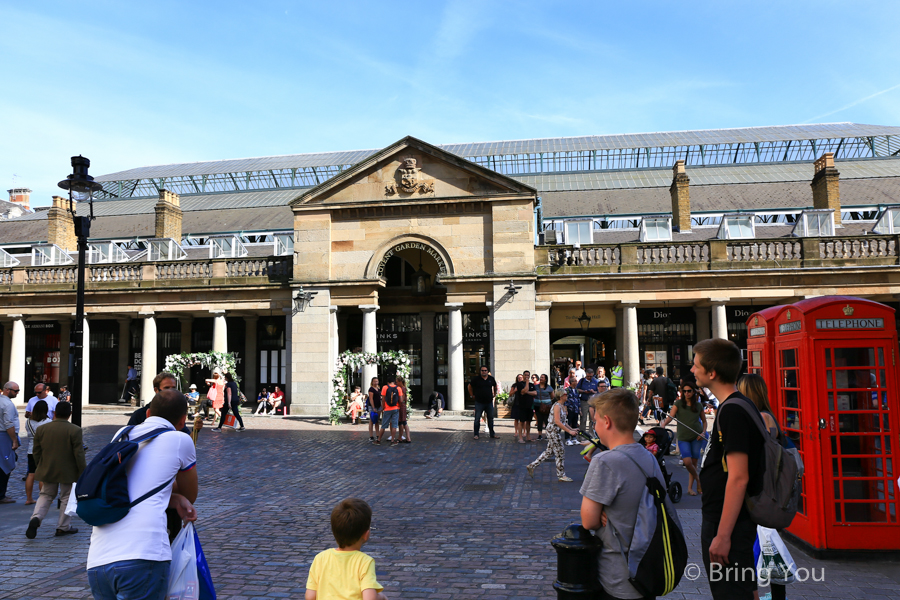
[(790, 379), (792, 419), (755, 358), (791, 399), (854, 357), (881, 357), (789, 358)]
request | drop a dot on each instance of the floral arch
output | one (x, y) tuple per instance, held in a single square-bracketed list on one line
[(349, 362)]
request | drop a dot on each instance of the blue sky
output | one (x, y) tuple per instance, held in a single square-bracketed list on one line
[(131, 84)]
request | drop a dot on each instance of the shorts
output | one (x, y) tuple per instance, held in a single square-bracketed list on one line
[(390, 418), (736, 580), (692, 449), (32, 466), (374, 416)]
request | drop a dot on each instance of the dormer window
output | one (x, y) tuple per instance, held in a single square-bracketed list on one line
[(814, 223), (656, 229), (7, 259), (226, 246), (164, 249), (284, 244), (888, 221), (49, 254), (737, 227), (579, 233), (105, 252)]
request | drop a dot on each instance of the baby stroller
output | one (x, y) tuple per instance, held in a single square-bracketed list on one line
[(664, 439)]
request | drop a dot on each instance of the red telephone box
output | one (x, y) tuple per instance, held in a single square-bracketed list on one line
[(760, 343), (836, 396)]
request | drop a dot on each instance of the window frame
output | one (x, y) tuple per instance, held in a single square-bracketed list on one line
[(58, 256), (217, 250), (885, 222), (578, 223), (802, 229), (725, 232), (281, 248), (656, 219), (174, 251)]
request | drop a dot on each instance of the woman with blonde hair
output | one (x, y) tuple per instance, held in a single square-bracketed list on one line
[(554, 431), (403, 424), (754, 387)]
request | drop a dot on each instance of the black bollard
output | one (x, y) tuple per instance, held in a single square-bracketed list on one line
[(576, 563)]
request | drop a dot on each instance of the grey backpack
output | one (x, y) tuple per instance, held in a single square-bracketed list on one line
[(776, 504)]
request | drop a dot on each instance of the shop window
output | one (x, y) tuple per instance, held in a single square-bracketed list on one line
[(814, 223), (284, 244), (226, 246), (737, 227), (7, 259), (656, 229), (49, 254), (105, 252), (579, 233), (888, 221), (164, 249)]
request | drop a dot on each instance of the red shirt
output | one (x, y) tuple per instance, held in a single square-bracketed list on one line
[(384, 405)]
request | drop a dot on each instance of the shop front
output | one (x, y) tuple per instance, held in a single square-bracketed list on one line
[(476, 347), (582, 332), (401, 332), (666, 339), (41, 355)]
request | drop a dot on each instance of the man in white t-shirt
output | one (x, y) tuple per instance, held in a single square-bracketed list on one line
[(130, 558), (579, 372), (42, 392)]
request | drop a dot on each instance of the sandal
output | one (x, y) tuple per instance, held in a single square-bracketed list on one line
[(476, 436), (691, 493)]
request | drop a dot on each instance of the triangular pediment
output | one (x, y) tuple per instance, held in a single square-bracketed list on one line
[(411, 171)]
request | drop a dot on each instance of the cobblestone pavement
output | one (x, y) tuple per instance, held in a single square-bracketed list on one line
[(453, 518)]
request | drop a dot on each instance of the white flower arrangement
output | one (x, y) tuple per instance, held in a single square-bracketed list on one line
[(225, 362), (350, 361)]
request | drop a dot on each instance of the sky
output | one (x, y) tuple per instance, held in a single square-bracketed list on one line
[(131, 84)]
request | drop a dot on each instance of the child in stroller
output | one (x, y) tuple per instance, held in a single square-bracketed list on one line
[(663, 439)]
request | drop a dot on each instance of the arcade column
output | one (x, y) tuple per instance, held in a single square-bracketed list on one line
[(250, 356), (719, 318), (86, 364), (542, 337), (148, 357), (220, 331), (631, 360), (17, 359), (457, 373), (187, 328), (124, 356), (369, 341), (334, 347), (310, 344), (514, 330)]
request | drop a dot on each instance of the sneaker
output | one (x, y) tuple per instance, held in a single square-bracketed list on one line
[(377, 442), (69, 531), (394, 444), (540, 438), (371, 439), (427, 416), (565, 479), (215, 429), (390, 439), (33, 525), (241, 428), (530, 470)]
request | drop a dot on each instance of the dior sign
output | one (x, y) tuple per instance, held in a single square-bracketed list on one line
[(442, 266)]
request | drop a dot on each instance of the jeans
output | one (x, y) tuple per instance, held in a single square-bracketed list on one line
[(4, 479), (130, 580), (235, 403), (479, 410)]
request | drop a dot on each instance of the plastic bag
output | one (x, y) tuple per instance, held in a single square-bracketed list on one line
[(774, 557), (183, 582), (73, 503), (207, 590)]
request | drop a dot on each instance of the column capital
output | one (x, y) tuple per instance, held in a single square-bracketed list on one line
[(491, 303), (628, 303), (333, 309), (543, 305), (453, 305), (16, 317), (368, 307), (217, 312), (146, 313), (719, 300)]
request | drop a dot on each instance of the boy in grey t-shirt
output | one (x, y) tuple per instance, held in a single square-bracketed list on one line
[(613, 487)]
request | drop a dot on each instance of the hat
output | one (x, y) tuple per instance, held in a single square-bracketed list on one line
[(193, 386)]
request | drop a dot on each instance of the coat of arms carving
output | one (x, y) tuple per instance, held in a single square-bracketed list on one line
[(409, 180)]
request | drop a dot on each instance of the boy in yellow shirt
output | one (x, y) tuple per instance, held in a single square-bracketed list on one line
[(345, 573)]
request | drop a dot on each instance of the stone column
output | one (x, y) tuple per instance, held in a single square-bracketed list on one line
[(542, 337), (187, 331), (310, 343), (719, 320), (148, 358), (65, 333), (333, 339), (428, 378), (456, 386), (493, 361), (250, 383), (85, 364), (620, 335), (702, 313), (220, 331), (369, 340), (631, 360), (17, 359), (124, 357), (7, 344)]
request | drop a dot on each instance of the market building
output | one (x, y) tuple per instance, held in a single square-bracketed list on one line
[(516, 255)]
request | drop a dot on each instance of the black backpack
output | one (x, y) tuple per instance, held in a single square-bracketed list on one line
[(392, 398), (671, 392), (658, 553), (102, 489)]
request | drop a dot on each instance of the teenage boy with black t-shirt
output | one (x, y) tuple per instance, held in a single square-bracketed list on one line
[(730, 470)]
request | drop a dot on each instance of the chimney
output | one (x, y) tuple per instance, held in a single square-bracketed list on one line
[(681, 198), (20, 196), (826, 186), (168, 216), (60, 228)]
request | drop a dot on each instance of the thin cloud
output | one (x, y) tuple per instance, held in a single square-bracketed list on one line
[(852, 104)]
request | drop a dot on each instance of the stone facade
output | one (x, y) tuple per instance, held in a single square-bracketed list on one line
[(826, 186), (168, 216), (60, 227)]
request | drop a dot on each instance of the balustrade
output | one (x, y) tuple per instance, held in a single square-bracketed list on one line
[(184, 270), (271, 267), (50, 275), (867, 247), (115, 272)]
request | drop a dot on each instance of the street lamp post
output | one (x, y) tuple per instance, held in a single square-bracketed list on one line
[(81, 188)]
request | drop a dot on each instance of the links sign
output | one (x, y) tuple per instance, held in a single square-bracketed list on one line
[(442, 266)]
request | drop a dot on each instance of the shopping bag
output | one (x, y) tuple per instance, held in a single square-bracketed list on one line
[(774, 558), (72, 506), (230, 420), (207, 590), (183, 582)]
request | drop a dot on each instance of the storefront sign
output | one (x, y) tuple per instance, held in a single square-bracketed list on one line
[(789, 327), (849, 323), (476, 336), (757, 331), (387, 336), (666, 316), (566, 317), (442, 266)]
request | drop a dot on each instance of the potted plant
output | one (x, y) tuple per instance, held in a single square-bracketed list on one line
[(504, 405)]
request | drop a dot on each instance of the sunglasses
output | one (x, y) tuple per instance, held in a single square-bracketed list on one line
[(688, 391)]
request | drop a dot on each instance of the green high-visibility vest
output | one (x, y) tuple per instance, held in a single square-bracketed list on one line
[(617, 378)]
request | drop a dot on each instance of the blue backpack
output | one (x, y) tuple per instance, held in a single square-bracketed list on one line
[(102, 489)]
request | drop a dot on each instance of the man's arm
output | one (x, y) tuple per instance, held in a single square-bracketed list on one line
[(78, 450), (471, 395), (367, 594), (188, 484), (311, 595), (735, 490), (11, 432)]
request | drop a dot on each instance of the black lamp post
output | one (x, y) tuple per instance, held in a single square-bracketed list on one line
[(81, 188), (584, 320), (302, 299)]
